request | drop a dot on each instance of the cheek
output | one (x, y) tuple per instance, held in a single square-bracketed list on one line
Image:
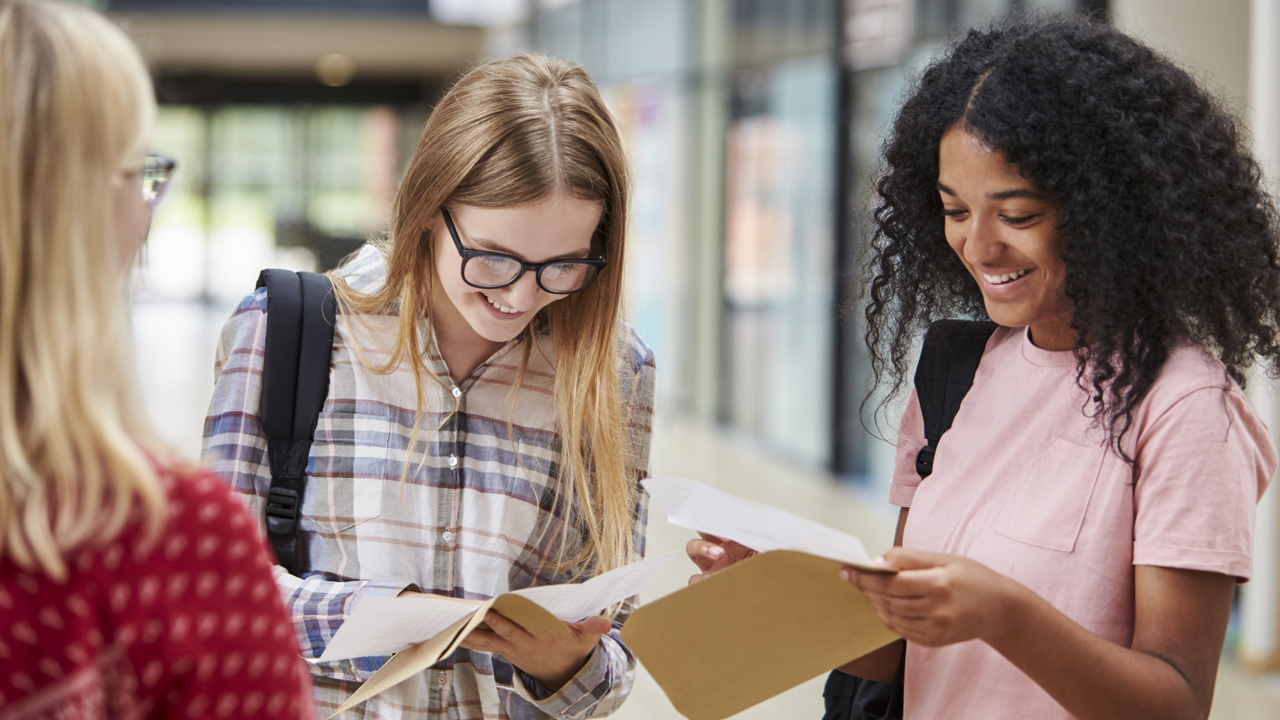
[(549, 299), (1051, 259), (133, 217), (449, 271), (955, 239), (542, 301)]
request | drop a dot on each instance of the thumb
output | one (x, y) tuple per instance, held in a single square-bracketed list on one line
[(594, 625), (900, 558)]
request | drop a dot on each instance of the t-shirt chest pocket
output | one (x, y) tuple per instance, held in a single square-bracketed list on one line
[(350, 459), (1051, 501)]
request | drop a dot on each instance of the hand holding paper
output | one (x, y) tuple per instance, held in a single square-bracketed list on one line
[(552, 657), (759, 527), (426, 628), (762, 625), (712, 554), (381, 626)]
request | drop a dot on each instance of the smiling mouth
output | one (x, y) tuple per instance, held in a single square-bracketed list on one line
[(501, 307), (1005, 278)]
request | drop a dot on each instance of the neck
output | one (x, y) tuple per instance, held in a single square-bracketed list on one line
[(1053, 336)]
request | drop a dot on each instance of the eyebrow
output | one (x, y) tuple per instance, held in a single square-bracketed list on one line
[(1002, 195), (495, 247)]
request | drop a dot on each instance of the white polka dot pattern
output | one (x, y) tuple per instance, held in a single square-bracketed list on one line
[(188, 625)]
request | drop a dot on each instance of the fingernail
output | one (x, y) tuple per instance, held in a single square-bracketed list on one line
[(715, 551), (845, 574), (878, 560)]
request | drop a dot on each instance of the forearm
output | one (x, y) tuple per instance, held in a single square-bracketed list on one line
[(880, 665), (1093, 678), (318, 605)]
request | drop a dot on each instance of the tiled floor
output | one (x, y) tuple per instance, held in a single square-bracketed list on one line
[(175, 362)]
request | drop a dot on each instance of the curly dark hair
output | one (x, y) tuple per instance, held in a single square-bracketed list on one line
[(1167, 234)]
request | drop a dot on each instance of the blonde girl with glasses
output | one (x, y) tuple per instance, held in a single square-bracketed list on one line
[(488, 413), (131, 585)]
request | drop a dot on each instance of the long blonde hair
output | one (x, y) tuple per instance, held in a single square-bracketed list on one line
[(511, 132), (76, 459)]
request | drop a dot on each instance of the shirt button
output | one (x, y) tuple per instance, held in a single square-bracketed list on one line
[(457, 392), (447, 536), (440, 679), (453, 461)]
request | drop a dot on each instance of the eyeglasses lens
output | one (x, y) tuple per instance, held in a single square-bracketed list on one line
[(567, 276), (492, 271), (156, 172)]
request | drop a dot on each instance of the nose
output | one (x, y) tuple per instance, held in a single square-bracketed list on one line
[(523, 293), (982, 242)]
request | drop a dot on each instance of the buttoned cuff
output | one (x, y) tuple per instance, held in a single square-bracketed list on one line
[(363, 668), (369, 589)]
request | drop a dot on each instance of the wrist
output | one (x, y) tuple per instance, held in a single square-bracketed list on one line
[(1010, 606), (555, 681)]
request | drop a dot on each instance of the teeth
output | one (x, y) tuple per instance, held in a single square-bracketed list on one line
[(1002, 279), (500, 306)]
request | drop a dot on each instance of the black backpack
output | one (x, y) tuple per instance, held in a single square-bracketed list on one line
[(949, 359), (301, 309)]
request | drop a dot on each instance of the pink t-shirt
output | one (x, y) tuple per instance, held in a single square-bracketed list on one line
[(1024, 485)]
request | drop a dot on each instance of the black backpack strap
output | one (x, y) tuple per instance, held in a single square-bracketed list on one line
[(295, 382), (852, 698), (948, 361)]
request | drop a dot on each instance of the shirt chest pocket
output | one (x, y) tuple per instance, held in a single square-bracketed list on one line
[(1051, 501), (350, 461)]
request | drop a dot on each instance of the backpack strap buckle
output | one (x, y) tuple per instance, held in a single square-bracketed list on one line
[(924, 461), (282, 509)]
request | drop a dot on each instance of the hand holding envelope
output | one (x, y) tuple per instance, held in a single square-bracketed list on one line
[(712, 554), (551, 657), (765, 623), (754, 525), (423, 629)]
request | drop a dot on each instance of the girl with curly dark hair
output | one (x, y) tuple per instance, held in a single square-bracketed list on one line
[(1075, 551)]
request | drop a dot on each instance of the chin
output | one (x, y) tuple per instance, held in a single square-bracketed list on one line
[(1004, 318), (497, 334)]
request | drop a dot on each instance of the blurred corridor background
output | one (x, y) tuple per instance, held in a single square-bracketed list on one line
[(752, 128)]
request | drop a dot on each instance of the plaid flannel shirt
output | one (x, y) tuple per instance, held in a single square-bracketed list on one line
[(470, 519)]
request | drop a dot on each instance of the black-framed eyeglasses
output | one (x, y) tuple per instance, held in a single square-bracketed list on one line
[(493, 270), (157, 171)]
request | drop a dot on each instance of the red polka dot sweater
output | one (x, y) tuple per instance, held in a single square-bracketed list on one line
[(187, 626)]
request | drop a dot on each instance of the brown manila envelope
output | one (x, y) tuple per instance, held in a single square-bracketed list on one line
[(424, 629), (761, 626)]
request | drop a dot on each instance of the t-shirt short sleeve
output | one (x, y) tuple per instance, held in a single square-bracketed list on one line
[(1204, 464), (905, 480)]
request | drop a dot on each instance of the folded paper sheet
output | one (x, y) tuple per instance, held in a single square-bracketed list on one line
[(423, 629), (761, 626)]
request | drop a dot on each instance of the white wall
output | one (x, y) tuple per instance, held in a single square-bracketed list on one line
[(1260, 611), (1209, 39)]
